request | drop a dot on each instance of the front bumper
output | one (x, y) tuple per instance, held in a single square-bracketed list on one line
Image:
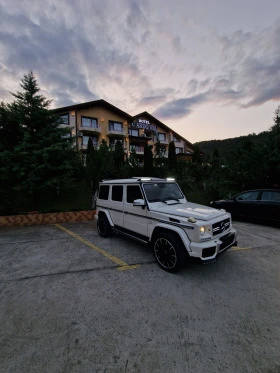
[(207, 251)]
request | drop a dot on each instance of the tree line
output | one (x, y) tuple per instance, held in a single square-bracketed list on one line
[(40, 166)]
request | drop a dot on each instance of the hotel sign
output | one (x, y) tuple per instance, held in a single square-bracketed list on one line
[(144, 124)]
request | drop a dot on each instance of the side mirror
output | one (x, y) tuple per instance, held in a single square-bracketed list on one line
[(139, 202)]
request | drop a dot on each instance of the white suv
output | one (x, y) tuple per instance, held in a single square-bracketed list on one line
[(155, 211)]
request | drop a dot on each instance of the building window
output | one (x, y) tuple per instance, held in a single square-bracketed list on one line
[(133, 132), (64, 118), (115, 126), (162, 137), (93, 139), (89, 122), (179, 150), (175, 139)]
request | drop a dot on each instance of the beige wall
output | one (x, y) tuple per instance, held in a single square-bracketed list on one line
[(104, 115)]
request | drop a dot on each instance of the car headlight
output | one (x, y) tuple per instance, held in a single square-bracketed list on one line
[(202, 230)]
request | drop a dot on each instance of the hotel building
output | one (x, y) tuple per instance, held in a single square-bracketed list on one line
[(101, 120)]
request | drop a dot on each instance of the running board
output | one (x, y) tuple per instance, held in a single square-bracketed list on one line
[(130, 235)]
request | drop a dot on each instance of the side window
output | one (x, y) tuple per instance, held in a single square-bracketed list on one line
[(271, 196), (248, 196), (117, 193), (133, 192), (104, 192)]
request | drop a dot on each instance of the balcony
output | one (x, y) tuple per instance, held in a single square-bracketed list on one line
[(138, 149), (141, 137), (112, 146), (96, 130), (179, 144), (84, 147), (162, 142), (115, 132)]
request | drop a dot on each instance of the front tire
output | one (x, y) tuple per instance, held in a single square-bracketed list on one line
[(103, 226), (169, 251)]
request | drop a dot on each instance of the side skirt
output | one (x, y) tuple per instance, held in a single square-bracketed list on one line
[(135, 236)]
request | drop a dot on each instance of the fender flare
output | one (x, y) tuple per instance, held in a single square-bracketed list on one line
[(107, 213), (172, 228)]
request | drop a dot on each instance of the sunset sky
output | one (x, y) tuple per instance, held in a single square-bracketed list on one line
[(208, 69)]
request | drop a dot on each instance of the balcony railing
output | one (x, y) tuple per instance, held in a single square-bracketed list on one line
[(163, 142), (138, 149), (91, 129), (84, 147), (115, 132), (179, 144), (141, 136)]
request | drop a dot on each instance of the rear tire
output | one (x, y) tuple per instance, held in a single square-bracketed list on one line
[(169, 251), (103, 226)]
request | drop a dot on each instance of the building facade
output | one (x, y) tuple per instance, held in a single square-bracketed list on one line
[(99, 120)]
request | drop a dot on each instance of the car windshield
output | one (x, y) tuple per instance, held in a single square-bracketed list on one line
[(162, 192)]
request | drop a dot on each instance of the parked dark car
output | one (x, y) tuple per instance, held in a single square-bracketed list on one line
[(257, 205)]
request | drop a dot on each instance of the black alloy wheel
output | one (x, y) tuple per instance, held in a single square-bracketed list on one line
[(169, 252), (103, 226)]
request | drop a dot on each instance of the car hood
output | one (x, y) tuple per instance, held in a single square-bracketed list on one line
[(186, 210)]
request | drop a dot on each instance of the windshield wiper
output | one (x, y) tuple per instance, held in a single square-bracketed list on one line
[(171, 199), (155, 200)]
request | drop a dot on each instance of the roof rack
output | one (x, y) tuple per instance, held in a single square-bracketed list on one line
[(140, 178), (147, 178)]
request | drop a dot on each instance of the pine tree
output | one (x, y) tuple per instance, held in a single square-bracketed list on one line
[(273, 152), (41, 154), (196, 157), (133, 160), (99, 165), (216, 159), (172, 159), (148, 160), (118, 154)]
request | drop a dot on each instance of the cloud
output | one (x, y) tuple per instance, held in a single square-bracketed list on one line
[(253, 60), (180, 107), (247, 75), (73, 59), (131, 54), (156, 97)]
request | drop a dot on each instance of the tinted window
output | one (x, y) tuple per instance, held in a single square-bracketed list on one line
[(104, 192), (117, 193), (162, 191), (271, 196), (248, 196), (133, 192)]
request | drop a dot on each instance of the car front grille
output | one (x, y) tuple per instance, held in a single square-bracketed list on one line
[(227, 240), (220, 227)]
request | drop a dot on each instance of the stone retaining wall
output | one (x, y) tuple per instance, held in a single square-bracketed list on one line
[(48, 218)]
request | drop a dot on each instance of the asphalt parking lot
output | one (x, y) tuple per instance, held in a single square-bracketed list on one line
[(72, 301)]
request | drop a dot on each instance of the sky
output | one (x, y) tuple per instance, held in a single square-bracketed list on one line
[(209, 69)]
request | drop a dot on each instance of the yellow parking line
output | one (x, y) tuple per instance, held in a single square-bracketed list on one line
[(123, 266), (241, 248)]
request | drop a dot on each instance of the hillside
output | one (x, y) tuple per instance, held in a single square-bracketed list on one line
[(227, 146)]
